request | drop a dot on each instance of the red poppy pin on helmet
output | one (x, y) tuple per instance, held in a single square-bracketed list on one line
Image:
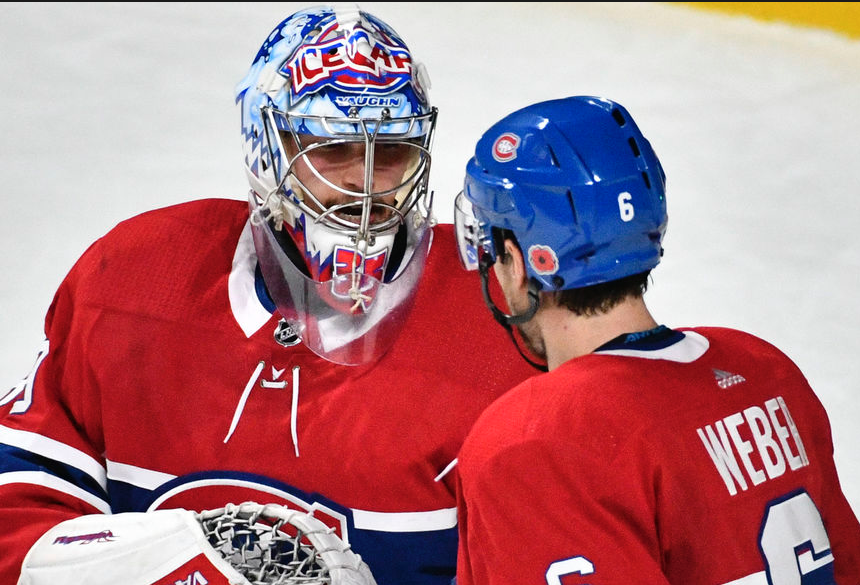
[(543, 260)]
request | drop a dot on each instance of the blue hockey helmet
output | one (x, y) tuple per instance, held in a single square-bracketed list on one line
[(579, 186)]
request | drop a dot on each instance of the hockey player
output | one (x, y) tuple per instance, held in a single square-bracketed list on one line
[(300, 348), (646, 454)]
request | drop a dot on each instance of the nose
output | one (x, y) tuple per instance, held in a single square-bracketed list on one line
[(354, 175), (355, 179)]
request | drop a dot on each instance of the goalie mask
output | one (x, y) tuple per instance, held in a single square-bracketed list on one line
[(337, 134)]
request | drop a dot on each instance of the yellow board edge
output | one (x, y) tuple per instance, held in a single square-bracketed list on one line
[(840, 17)]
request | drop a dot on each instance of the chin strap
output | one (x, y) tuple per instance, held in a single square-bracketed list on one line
[(506, 320)]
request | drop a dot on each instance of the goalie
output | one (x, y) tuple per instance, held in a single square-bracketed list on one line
[(294, 349)]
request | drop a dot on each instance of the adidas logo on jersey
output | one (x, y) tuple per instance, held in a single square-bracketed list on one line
[(725, 379)]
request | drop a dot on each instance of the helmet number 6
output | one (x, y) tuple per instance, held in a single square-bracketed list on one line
[(625, 208)]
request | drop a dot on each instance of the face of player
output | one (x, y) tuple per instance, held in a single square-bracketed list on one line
[(333, 176)]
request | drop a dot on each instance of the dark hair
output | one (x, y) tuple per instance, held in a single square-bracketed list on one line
[(587, 300), (599, 298)]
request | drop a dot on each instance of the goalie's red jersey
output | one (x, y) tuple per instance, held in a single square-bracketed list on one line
[(161, 385), (691, 457)]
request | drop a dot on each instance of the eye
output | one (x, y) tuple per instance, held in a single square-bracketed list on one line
[(326, 149), (329, 154), (393, 153)]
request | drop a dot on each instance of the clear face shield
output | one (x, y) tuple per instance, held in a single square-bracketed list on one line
[(474, 245), (352, 199)]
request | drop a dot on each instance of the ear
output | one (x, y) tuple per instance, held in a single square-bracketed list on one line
[(518, 264)]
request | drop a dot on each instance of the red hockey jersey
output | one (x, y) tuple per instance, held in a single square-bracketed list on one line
[(161, 385), (691, 457)]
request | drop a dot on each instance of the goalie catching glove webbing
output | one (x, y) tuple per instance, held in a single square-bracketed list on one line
[(247, 544)]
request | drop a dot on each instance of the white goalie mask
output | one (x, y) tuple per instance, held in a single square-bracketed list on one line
[(338, 132)]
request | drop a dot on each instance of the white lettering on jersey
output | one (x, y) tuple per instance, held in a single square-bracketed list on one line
[(758, 431)]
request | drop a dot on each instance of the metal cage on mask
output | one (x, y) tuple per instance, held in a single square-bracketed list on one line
[(414, 133), (351, 313)]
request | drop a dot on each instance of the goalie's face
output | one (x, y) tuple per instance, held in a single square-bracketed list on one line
[(350, 191), (351, 183)]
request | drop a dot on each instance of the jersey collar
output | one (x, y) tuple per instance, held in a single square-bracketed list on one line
[(249, 300)]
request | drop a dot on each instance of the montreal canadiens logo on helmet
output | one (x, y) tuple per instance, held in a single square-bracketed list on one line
[(543, 260), (505, 147), (359, 62)]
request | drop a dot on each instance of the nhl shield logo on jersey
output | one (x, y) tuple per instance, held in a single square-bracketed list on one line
[(505, 147), (286, 334)]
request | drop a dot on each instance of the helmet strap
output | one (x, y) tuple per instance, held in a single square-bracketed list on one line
[(290, 249), (506, 320), (398, 251)]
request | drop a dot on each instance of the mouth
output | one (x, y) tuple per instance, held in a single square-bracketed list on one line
[(352, 212)]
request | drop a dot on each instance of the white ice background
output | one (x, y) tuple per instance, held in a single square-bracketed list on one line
[(111, 109)]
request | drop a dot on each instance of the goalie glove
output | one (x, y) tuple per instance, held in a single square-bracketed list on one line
[(247, 544)]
